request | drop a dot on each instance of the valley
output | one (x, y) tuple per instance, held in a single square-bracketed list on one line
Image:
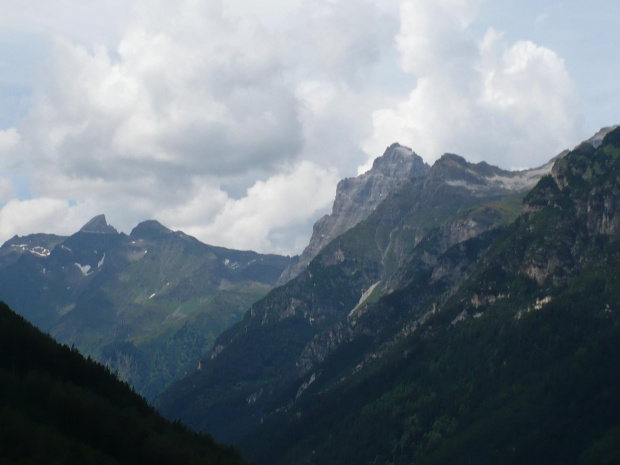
[(448, 313)]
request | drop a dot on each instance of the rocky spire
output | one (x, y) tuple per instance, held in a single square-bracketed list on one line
[(98, 225)]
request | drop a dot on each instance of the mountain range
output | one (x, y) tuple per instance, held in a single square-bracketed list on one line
[(448, 325), (147, 304), (453, 313)]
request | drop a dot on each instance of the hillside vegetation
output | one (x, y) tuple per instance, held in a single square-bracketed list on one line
[(58, 408), (488, 331)]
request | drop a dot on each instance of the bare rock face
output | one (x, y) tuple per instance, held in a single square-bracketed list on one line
[(357, 197), (597, 139), (98, 225)]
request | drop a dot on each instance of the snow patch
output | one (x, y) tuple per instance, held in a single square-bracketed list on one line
[(36, 250), (85, 269), (100, 264), (151, 296), (231, 265), (40, 251)]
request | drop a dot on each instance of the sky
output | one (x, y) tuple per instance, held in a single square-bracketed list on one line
[(233, 120)]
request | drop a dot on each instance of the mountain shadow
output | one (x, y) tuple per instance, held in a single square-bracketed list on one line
[(57, 407)]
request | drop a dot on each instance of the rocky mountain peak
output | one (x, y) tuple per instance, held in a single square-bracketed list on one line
[(356, 198), (597, 139), (395, 158), (150, 229), (453, 159), (98, 225)]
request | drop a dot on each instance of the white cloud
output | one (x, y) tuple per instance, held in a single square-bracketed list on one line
[(342, 40), (434, 36), (8, 141), (9, 163), (7, 189), (511, 105), (196, 97), (86, 22), (166, 107), (283, 201), (23, 217), (234, 120)]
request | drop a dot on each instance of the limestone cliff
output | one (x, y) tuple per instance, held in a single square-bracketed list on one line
[(356, 198)]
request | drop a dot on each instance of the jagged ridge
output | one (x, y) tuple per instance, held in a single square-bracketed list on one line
[(356, 198), (251, 372), (148, 304)]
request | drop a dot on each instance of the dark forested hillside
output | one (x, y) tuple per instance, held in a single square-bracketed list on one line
[(514, 361), (264, 363), (57, 407), (503, 387), (486, 332)]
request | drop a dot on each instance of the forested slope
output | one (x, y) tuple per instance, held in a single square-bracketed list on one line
[(57, 407)]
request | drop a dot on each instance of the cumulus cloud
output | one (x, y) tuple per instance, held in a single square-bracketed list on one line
[(88, 23), (9, 163), (234, 123), (195, 100), (342, 40), (8, 141), (510, 104), (283, 201), (343, 43), (186, 96), (434, 35), (24, 217), (7, 189)]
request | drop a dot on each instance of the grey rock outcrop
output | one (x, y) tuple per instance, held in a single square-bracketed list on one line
[(356, 198), (597, 139), (98, 225)]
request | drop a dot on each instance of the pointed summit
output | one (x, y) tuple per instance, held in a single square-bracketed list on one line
[(399, 162), (149, 229), (356, 198), (98, 225)]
